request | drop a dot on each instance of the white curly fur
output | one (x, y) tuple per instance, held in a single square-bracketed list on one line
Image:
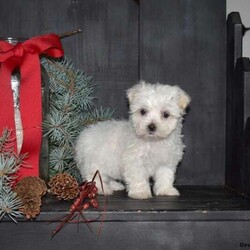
[(148, 145)]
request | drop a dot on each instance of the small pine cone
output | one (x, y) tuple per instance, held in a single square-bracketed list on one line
[(64, 186), (33, 183), (31, 205), (30, 189)]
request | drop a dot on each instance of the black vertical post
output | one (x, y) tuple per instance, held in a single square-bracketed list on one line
[(246, 168), (234, 51), (238, 103)]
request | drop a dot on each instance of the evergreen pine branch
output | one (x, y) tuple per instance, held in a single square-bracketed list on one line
[(9, 161), (74, 172), (97, 115), (6, 142), (71, 108), (60, 158), (10, 204), (9, 165)]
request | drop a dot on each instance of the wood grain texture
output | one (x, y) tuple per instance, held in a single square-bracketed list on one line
[(177, 41), (173, 235), (174, 41), (107, 49), (202, 218), (110, 48), (183, 43), (193, 198)]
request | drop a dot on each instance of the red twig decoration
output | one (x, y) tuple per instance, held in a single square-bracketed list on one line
[(86, 199)]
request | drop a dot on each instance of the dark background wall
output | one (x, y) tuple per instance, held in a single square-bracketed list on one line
[(169, 41)]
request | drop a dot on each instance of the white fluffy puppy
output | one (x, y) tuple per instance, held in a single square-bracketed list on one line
[(148, 145)]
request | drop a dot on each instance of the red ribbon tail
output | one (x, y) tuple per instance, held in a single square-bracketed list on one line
[(31, 114)]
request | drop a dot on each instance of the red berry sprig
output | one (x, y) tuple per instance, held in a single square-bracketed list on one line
[(87, 198)]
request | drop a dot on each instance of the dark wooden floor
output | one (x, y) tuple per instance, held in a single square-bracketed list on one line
[(195, 202), (201, 218)]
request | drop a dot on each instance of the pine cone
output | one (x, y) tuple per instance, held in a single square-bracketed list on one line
[(31, 205), (33, 183), (64, 186), (30, 189)]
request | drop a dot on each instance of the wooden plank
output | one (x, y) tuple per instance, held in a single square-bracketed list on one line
[(193, 198), (128, 235), (197, 203), (237, 170), (234, 52), (205, 212), (183, 43), (234, 39), (110, 49), (176, 46), (245, 172), (246, 182), (107, 49)]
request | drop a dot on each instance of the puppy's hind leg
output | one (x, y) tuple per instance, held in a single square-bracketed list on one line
[(116, 185), (109, 186), (104, 188)]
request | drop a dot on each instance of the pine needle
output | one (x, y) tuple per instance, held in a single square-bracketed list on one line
[(9, 165), (71, 109)]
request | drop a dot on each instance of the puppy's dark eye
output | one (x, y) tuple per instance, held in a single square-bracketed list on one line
[(165, 114), (143, 111)]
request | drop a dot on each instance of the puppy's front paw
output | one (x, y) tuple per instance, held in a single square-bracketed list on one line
[(140, 195), (167, 191)]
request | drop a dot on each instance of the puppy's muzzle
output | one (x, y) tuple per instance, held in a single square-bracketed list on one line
[(151, 128)]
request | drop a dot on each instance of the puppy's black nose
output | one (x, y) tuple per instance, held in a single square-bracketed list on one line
[(151, 127)]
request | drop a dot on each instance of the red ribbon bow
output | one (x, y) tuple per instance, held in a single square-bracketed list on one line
[(25, 56)]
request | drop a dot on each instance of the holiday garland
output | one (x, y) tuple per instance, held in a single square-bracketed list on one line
[(71, 109)]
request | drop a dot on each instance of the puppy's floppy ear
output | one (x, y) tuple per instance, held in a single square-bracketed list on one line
[(183, 99), (133, 90)]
